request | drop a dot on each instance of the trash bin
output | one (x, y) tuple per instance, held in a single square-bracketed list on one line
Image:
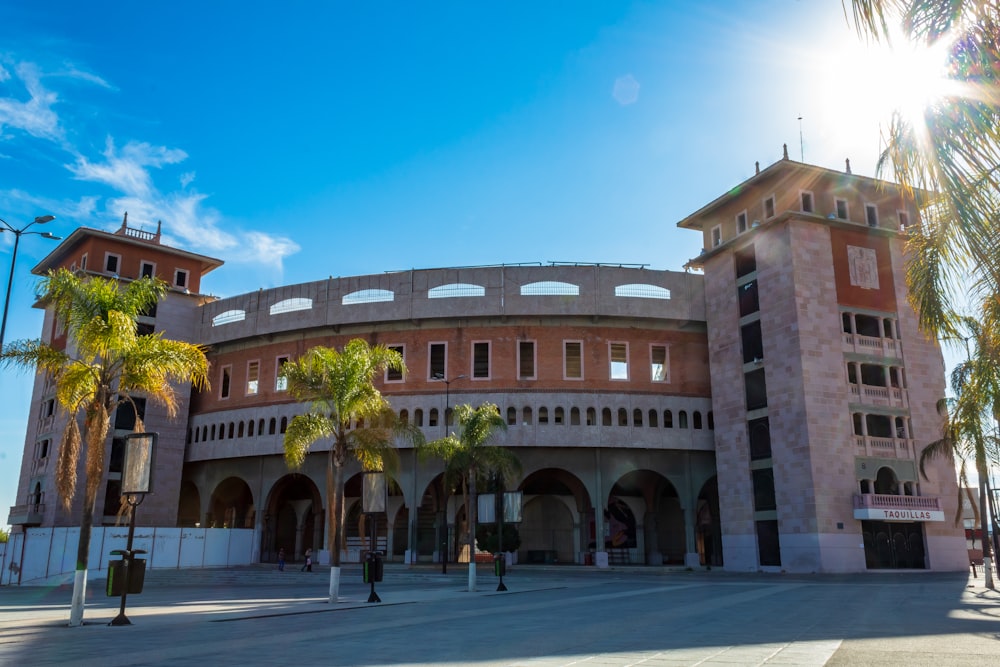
[(499, 565), (372, 568), (116, 577)]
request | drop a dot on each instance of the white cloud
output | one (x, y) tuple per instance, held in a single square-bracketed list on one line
[(34, 116), (127, 171), (626, 90)]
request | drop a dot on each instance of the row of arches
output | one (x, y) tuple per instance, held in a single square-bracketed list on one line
[(645, 520)]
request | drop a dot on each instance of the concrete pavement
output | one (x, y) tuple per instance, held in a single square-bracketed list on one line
[(549, 616)]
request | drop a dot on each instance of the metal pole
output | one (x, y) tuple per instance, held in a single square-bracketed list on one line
[(10, 281), (121, 618), (444, 523), (499, 509)]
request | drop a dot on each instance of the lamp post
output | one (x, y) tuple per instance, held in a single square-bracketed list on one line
[(444, 539), (7, 227), (137, 481)]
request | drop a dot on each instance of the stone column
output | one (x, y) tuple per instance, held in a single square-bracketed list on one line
[(652, 539), (300, 507)]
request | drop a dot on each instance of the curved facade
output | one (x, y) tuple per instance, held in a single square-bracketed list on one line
[(765, 412), (601, 373)]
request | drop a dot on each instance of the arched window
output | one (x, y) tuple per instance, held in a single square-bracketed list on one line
[(239, 430), (222, 431), (886, 482), (228, 317), (511, 416), (204, 433), (682, 419), (637, 417), (188, 441), (653, 421), (197, 432), (284, 424), (455, 289), (543, 415), (404, 416), (291, 305), (711, 421), (418, 417), (367, 296), (622, 417), (250, 425), (558, 416), (526, 416), (668, 419), (232, 430), (697, 419), (550, 288), (591, 417), (260, 426), (574, 416), (213, 432), (432, 417), (606, 417), (272, 426)]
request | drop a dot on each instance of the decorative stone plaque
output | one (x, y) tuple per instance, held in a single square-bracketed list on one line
[(863, 265)]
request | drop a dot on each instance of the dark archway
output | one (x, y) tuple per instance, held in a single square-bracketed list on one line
[(231, 505), (293, 519), (557, 518), (708, 532), (651, 497), (188, 506)]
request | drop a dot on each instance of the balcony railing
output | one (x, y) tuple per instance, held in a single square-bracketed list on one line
[(26, 514), (883, 347), (888, 502), (900, 448), (869, 394)]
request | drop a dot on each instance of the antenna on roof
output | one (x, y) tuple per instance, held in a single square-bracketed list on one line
[(802, 150)]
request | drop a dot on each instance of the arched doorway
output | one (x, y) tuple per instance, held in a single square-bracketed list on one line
[(188, 506), (557, 520), (651, 497), (231, 505), (293, 519)]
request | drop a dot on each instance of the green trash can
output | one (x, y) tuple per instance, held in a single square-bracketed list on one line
[(372, 568), (116, 577), (499, 565)]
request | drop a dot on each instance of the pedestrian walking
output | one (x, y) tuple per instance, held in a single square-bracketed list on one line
[(308, 567), (281, 560)]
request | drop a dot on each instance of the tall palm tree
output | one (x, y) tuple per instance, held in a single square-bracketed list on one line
[(104, 363), (949, 155), (339, 386), (970, 418), (469, 457)]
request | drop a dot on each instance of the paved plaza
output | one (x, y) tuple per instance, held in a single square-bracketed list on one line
[(549, 617)]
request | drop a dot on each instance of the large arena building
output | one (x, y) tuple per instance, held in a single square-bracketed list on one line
[(762, 409)]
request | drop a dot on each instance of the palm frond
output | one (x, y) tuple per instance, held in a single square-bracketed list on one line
[(302, 432)]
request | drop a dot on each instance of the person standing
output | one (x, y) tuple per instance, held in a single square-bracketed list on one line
[(308, 567), (281, 560)]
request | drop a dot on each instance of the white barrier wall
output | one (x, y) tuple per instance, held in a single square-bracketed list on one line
[(40, 554)]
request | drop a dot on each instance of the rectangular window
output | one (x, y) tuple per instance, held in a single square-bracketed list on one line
[(768, 543), (841, 205), (658, 370), (147, 269), (526, 360), (437, 361), (253, 377), (227, 377), (112, 262), (481, 360), (769, 207), (572, 360), (181, 278), (807, 202), (391, 374), (716, 236), (618, 356), (763, 490), (904, 220), (741, 222), (871, 215), (280, 381), (83, 262)]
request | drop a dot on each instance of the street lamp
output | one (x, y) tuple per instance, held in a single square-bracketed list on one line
[(40, 220), (439, 377)]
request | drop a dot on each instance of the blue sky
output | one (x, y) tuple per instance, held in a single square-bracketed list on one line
[(330, 138)]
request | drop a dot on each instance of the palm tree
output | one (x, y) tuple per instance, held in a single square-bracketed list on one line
[(970, 419), (950, 155), (339, 386), (105, 363), (469, 457)]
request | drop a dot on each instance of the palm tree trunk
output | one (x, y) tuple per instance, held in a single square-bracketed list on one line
[(473, 519), (984, 520), (96, 432), (334, 493)]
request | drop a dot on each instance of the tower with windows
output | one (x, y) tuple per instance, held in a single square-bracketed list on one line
[(823, 389)]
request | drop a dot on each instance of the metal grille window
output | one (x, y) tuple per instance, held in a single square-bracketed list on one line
[(253, 378), (526, 360), (573, 360), (618, 354), (438, 352), (481, 360)]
